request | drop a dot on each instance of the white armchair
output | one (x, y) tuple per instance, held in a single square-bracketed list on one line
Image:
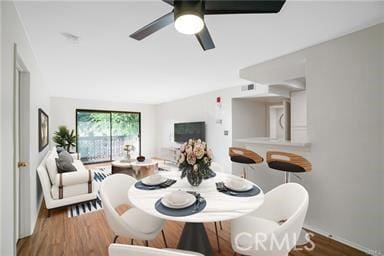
[(67, 188), (274, 228), (132, 250), (133, 223)]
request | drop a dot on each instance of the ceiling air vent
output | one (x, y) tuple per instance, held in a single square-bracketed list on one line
[(247, 87)]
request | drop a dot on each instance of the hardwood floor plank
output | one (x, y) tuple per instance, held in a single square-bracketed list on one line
[(89, 234)]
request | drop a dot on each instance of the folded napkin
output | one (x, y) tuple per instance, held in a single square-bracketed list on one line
[(223, 189), (196, 194), (167, 183)]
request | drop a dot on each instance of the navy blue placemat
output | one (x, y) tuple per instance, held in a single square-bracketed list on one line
[(253, 192), (198, 206), (141, 185)]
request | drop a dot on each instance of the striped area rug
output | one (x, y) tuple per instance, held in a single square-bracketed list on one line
[(91, 206)]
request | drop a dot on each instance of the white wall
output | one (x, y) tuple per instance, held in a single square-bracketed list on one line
[(13, 32), (345, 126), (381, 67), (299, 116), (344, 109), (345, 112), (203, 108), (199, 108), (63, 113), (248, 113), (1, 85)]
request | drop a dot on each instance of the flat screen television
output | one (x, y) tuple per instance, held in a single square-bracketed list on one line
[(185, 131)]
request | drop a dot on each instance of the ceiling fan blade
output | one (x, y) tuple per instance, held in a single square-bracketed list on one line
[(154, 26), (243, 6), (205, 39), (170, 2)]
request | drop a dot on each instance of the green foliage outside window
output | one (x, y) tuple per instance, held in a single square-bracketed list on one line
[(99, 124)]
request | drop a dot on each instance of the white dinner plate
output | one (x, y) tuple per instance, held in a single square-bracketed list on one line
[(183, 201), (238, 185), (153, 180)]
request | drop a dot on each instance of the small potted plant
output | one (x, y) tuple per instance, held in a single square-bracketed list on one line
[(194, 161), (65, 138)]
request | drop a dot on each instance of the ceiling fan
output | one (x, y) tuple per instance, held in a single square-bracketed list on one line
[(188, 16)]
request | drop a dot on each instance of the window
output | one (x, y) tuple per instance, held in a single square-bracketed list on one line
[(102, 135)]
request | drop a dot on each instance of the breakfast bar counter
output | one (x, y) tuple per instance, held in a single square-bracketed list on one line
[(274, 142)]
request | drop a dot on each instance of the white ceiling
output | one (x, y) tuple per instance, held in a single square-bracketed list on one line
[(107, 64)]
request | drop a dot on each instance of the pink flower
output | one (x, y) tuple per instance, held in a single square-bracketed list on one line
[(210, 153), (188, 149), (182, 147), (181, 158), (191, 158), (199, 150)]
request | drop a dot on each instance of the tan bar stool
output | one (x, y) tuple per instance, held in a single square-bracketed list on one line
[(288, 163), (245, 157)]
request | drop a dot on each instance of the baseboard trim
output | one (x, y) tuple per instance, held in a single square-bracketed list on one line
[(33, 224), (344, 241)]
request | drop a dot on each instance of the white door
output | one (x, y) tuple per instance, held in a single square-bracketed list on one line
[(17, 149), (21, 149)]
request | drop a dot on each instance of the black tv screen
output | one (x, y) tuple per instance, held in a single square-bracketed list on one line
[(185, 131)]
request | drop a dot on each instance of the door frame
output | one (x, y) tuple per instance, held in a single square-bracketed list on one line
[(21, 125), (108, 112)]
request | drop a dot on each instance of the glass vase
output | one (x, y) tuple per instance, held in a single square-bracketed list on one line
[(194, 178)]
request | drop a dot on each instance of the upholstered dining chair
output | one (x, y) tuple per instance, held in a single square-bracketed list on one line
[(245, 157), (133, 223), (132, 250), (274, 228)]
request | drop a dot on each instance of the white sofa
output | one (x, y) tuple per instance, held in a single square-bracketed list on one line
[(66, 188)]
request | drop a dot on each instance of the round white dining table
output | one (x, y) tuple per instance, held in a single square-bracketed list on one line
[(219, 207)]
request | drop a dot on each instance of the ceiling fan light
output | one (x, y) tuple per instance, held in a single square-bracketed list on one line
[(189, 24)]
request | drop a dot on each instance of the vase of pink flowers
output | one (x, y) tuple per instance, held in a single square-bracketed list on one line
[(194, 161)]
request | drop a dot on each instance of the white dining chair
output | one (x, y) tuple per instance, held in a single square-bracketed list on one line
[(273, 229), (216, 167), (133, 223), (133, 250)]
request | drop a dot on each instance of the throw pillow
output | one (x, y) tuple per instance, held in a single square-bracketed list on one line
[(65, 156), (64, 162)]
